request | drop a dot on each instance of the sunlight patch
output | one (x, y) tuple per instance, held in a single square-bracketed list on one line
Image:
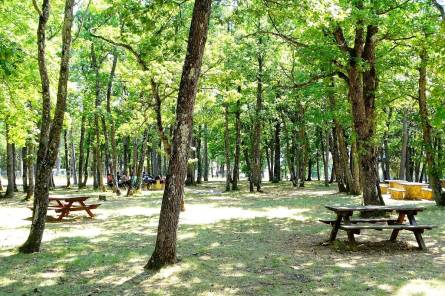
[(422, 287)]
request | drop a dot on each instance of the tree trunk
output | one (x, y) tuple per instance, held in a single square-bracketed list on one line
[(227, 147), (355, 168), (97, 151), (140, 166), (277, 154), (25, 168), (325, 149), (14, 167), (165, 250), (236, 160), (362, 86), (256, 140), (87, 158), (206, 155), (432, 165), (199, 156), (49, 133), (81, 152), (249, 168), (403, 154), (73, 158), (67, 166), (30, 167), (9, 166)]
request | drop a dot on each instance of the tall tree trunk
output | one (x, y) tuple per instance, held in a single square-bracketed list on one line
[(81, 152), (325, 152), (249, 168), (404, 150), (206, 155), (236, 160), (14, 168), (67, 164), (30, 167), (87, 158), (25, 168), (199, 156), (355, 168), (362, 86), (277, 153), (73, 158), (113, 159), (256, 140), (387, 170), (227, 147), (97, 151), (9, 166), (49, 130), (165, 250), (432, 165), (140, 166)]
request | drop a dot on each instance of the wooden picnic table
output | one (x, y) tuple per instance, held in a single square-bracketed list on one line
[(344, 221), (66, 204)]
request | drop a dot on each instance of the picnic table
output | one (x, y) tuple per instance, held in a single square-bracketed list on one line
[(400, 189), (413, 190), (352, 226), (63, 205)]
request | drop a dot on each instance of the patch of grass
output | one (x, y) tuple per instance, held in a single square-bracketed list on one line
[(228, 243)]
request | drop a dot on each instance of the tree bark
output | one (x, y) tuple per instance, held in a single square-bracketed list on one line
[(9, 166), (277, 153), (206, 155), (256, 140), (432, 165), (73, 158), (165, 250), (81, 152), (140, 166), (199, 156), (30, 167), (49, 133), (25, 168), (403, 153), (236, 160), (67, 166), (87, 158), (97, 102), (362, 85), (227, 147)]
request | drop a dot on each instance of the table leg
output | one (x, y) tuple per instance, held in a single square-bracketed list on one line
[(335, 227), (417, 233), (351, 237), (86, 209), (395, 232), (65, 211)]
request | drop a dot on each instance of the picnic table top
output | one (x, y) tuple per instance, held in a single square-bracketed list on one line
[(349, 208), (414, 184), (395, 181), (69, 198)]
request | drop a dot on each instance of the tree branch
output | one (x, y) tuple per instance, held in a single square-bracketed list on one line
[(34, 3), (341, 41), (440, 8), (392, 8), (128, 47)]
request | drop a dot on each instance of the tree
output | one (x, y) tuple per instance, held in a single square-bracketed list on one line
[(50, 130), (165, 249)]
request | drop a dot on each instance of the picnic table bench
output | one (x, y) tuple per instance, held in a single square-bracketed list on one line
[(344, 222), (63, 205)]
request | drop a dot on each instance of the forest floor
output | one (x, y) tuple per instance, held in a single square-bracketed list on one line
[(228, 243)]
